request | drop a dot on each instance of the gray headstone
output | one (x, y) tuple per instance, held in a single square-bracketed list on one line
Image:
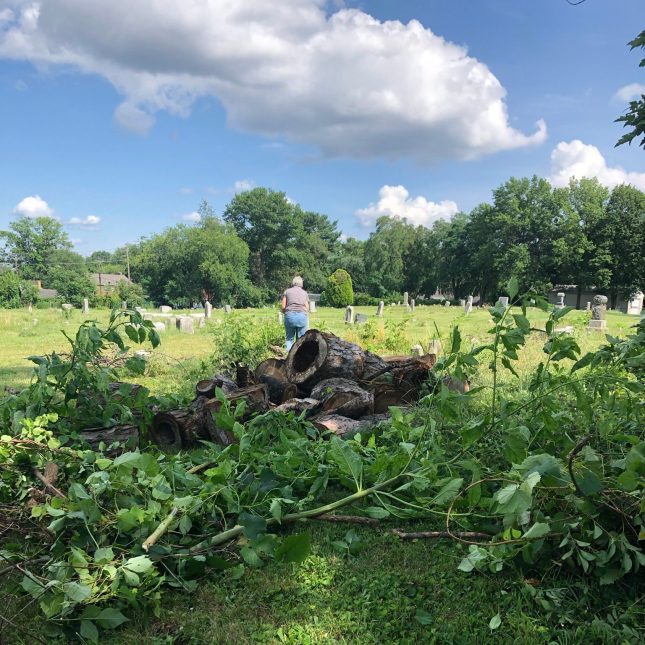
[(202, 322), (124, 304), (503, 300), (588, 305), (227, 309), (349, 315), (446, 303), (165, 309), (379, 309), (408, 308), (468, 307), (67, 307), (635, 305), (598, 310), (462, 302), (159, 326), (434, 347), (172, 322), (86, 306), (185, 324), (312, 306), (560, 303), (412, 304), (142, 354), (141, 310), (208, 309), (361, 319), (417, 350), (405, 299)]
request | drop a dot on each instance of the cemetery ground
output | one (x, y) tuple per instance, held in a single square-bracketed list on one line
[(379, 589)]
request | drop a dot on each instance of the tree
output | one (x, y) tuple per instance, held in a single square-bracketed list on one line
[(9, 289), (339, 291), (635, 116), (68, 274), (626, 215), (350, 255), (30, 243)]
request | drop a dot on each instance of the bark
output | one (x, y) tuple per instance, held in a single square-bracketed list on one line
[(299, 406), (317, 356), (173, 430), (275, 367), (244, 376), (206, 387), (114, 389), (345, 427), (279, 389), (127, 435), (343, 397)]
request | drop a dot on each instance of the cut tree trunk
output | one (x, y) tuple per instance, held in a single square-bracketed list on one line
[(280, 390), (343, 397), (299, 406), (317, 356), (244, 376), (344, 427), (275, 367), (173, 430), (206, 387), (127, 435)]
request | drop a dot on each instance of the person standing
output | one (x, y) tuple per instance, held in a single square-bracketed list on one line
[(295, 306)]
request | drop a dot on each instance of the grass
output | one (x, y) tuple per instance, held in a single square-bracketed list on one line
[(390, 591)]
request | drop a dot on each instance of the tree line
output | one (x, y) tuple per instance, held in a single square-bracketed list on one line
[(583, 234)]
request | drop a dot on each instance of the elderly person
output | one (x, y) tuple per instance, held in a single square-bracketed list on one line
[(295, 306)]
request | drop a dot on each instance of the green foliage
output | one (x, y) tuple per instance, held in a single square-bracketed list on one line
[(9, 289), (68, 274), (635, 116), (123, 292), (339, 291)]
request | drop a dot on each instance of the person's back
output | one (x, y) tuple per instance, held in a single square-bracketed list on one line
[(297, 299)]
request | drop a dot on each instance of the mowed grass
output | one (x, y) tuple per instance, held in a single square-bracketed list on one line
[(26, 334), (392, 591)]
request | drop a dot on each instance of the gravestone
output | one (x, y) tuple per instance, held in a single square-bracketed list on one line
[(361, 319), (588, 305), (67, 307), (140, 310), (462, 302), (468, 307), (227, 309), (312, 306), (560, 303), (349, 315), (202, 321), (379, 309), (408, 309), (598, 311), (142, 354), (434, 347), (208, 309), (165, 309), (159, 326), (185, 324), (172, 322), (86, 306), (446, 303), (405, 299), (417, 350), (280, 318), (504, 301), (124, 304), (412, 304), (635, 305), (30, 307)]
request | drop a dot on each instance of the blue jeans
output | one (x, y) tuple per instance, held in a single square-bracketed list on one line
[(295, 325)]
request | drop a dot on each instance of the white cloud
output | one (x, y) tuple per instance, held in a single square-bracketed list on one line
[(629, 92), (578, 159), (395, 201), (192, 217), (339, 80), (91, 221), (242, 185), (185, 190), (34, 206)]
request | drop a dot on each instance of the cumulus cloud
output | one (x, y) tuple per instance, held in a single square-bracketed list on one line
[(34, 206), (242, 185), (91, 221), (578, 159), (395, 201), (629, 92), (339, 80), (192, 217)]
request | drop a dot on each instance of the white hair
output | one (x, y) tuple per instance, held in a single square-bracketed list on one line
[(297, 282)]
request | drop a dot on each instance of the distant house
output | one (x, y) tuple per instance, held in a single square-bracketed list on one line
[(45, 294), (106, 282)]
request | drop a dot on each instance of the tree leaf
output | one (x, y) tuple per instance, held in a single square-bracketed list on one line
[(538, 530), (294, 548), (139, 564), (110, 618), (254, 525), (89, 631), (512, 287), (495, 622), (423, 617)]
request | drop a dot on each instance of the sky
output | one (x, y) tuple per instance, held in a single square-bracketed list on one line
[(119, 117)]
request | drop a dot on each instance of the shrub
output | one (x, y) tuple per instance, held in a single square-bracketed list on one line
[(339, 291), (365, 299), (9, 290)]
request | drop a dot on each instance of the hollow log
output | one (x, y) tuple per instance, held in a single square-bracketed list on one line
[(345, 427), (343, 397), (299, 406), (275, 367), (173, 430), (206, 387), (244, 376), (128, 435), (387, 394), (317, 356), (116, 386), (280, 390)]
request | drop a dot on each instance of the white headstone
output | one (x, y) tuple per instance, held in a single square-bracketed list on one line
[(560, 303), (462, 302), (434, 347), (635, 305), (588, 305), (446, 303), (312, 306), (185, 324), (165, 309), (379, 309), (159, 326), (417, 350), (202, 321), (141, 310), (30, 307), (349, 315), (412, 304), (468, 307), (227, 309), (405, 299), (67, 307), (86, 306), (208, 309), (124, 304)]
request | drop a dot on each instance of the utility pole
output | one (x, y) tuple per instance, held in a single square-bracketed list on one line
[(127, 257)]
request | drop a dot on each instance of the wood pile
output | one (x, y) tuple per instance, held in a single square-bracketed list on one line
[(337, 386)]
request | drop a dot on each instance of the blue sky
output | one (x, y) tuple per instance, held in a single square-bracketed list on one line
[(119, 121)]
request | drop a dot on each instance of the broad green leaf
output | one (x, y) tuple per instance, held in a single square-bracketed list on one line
[(76, 591), (89, 631), (254, 525), (377, 512), (294, 548), (449, 491), (538, 530), (110, 618), (495, 622), (131, 459), (251, 557), (276, 510), (139, 564), (103, 556), (512, 287), (423, 617)]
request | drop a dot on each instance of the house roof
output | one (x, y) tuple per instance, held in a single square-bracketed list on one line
[(46, 294), (107, 279)]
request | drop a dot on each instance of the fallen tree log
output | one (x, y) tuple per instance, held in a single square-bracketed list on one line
[(343, 397), (345, 427), (206, 387), (298, 406), (244, 377), (279, 390), (173, 430), (275, 367), (126, 435)]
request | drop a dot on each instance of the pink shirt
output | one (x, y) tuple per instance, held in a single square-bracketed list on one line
[(297, 299)]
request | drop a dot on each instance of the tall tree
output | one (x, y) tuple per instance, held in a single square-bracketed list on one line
[(634, 118), (67, 273), (30, 243)]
